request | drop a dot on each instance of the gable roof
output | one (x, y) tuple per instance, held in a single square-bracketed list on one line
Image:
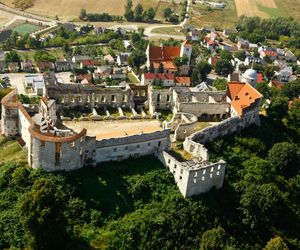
[(242, 96), (162, 76), (163, 53)]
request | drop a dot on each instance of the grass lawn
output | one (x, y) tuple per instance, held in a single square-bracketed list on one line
[(58, 53), (165, 115), (180, 154), (132, 78), (201, 15), (168, 30), (26, 28), (202, 125), (10, 150)]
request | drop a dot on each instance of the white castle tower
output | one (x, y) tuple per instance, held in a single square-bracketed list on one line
[(186, 49)]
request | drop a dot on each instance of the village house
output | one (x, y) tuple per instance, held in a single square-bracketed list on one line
[(88, 64), (212, 60), (164, 55), (79, 58), (122, 58), (194, 35), (109, 59), (117, 74), (83, 79), (284, 74), (63, 65), (27, 66), (99, 30), (210, 41), (290, 57), (166, 79), (243, 44), (102, 72), (13, 67), (45, 66), (272, 55)]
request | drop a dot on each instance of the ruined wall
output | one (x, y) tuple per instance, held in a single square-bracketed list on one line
[(182, 124), (118, 149), (160, 100), (199, 109), (193, 178), (73, 95)]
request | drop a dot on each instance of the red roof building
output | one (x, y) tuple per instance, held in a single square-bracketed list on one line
[(243, 97)]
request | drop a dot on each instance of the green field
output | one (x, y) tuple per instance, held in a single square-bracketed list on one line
[(11, 151), (26, 28)]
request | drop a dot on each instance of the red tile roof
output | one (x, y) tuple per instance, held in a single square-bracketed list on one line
[(166, 65), (183, 80), (270, 53), (259, 77), (242, 96), (162, 76), (163, 53)]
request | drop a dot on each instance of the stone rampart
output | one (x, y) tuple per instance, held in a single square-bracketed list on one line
[(117, 149)]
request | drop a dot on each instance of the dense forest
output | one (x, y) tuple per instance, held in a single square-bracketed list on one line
[(136, 205)]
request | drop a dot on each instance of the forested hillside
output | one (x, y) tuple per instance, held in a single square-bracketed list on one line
[(136, 204)]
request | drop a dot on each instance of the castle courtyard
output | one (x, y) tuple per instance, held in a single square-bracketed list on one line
[(114, 129)]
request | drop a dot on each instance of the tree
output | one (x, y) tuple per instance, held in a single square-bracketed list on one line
[(224, 67), (137, 58), (226, 55), (150, 14), (82, 14), (40, 56), (213, 239), (285, 159), (276, 243), (220, 84), (291, 89), (241, 55), (195, 76), (294, 116), (204, 69), (278, 108), (258, 202), (151, 69), (42, 215), (129, 15), (12, 56), (138, 12), (161, 68), (167, 13)]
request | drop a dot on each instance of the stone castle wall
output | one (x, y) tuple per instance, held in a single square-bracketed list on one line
[(118, 149)]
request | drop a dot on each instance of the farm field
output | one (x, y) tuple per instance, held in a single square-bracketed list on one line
[(202, 15), (69, 10)]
